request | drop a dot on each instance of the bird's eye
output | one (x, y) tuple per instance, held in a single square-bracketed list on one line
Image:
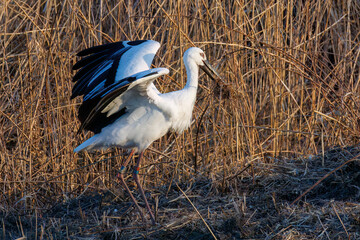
[(202, 55)]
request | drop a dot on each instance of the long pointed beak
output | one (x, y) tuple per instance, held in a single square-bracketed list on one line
[(210, 70)]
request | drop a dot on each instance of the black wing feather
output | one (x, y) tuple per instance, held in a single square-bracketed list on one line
[(112, 72), (95, 80), (98, 120), (100, 48), (90, 114), (93, 65), (137, 42), (89, 60), (88, 70), (83, 89)]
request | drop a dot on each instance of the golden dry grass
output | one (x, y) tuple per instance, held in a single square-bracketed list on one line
[(291, 70)]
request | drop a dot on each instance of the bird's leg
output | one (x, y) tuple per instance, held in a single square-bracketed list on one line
[(136, 178), (120, 176)]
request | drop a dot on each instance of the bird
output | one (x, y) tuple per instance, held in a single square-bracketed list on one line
[(122, 106)]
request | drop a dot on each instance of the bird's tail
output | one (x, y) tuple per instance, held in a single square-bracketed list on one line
[(87, 145)]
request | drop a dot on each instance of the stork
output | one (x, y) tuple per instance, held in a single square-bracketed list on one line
[(122, 106)]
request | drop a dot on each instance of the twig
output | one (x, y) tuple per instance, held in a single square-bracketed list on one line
[(342, 224), (324, 177), (207, 226)]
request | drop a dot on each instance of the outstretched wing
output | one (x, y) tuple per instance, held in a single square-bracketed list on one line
[(107, 64), (111, 102)]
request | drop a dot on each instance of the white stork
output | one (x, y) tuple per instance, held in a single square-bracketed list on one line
[(122, 106)]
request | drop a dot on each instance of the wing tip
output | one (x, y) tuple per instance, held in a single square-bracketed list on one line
[(164, 71), (156, 45)]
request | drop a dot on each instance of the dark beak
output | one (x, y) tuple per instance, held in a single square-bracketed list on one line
[(210, 70)]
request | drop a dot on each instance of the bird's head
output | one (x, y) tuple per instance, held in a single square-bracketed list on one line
[(198, 55)]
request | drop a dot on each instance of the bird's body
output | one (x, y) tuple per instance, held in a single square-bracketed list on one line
[(149, 115), (145, 121), (123, 107)]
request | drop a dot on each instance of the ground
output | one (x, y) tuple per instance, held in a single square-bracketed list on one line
[(261, 207)]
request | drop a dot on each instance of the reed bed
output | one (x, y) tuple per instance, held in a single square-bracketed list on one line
[(290, 92)]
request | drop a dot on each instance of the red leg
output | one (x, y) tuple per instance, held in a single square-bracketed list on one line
[(120, 176), (136, 178)]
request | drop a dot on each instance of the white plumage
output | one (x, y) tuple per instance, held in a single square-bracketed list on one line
[(123, 107)]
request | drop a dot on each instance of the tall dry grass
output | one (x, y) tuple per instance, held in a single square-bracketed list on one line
[(292, 69)]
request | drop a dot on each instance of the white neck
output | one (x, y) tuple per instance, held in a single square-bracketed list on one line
[(192, 72)]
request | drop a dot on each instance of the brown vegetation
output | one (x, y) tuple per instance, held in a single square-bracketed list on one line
[(291, 91)]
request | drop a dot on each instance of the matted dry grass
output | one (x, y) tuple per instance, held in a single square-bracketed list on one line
[(291, 70)]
